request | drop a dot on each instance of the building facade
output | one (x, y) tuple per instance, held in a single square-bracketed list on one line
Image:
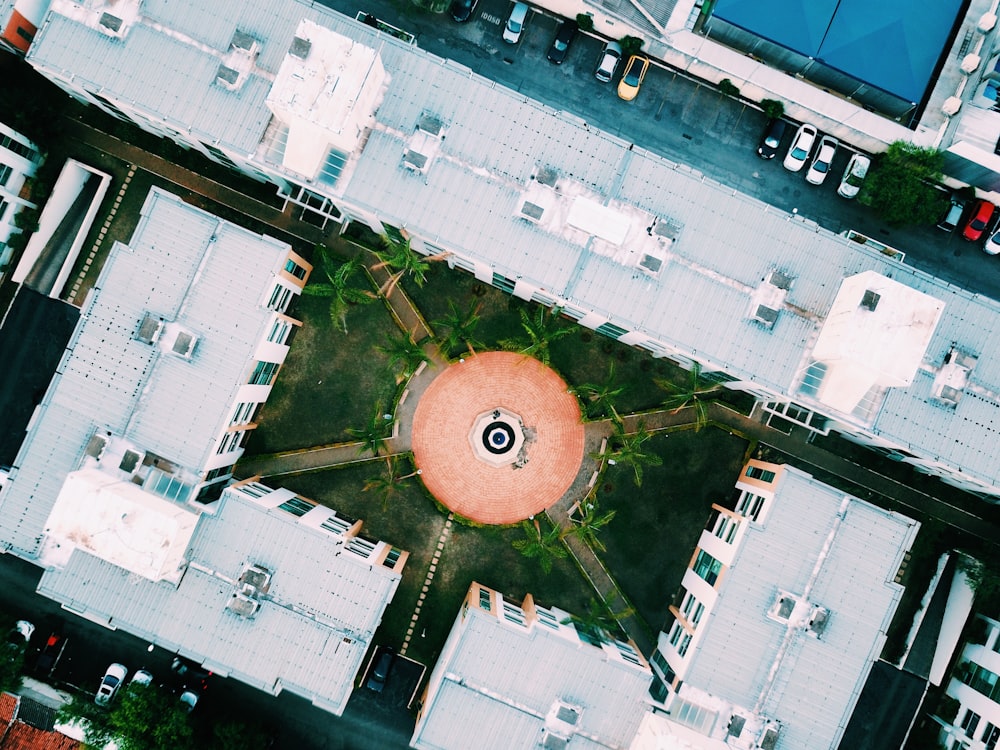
[(970, 720), (19, 160)]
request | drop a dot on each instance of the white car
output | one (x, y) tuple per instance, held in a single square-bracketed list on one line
[(141, 677), (798, 151), (189, 700), (515, 23), (854, 175), (992, 244), (610, 58), (822, 159), (112, 681)]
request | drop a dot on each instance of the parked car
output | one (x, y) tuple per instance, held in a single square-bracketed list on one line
[(189, 700), (635, 71), (953, 216), (112, 681), (980, 218), (23, 630), (854, 176), (565, 34), (611, 55), (770, 140), (51, 652), (801, 145), (380, 671), (189, 670), (461, 10), (142, 677), (992, 244), (515, 23), (822, 159)]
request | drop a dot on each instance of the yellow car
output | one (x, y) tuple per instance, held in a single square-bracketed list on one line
[(635, 71)]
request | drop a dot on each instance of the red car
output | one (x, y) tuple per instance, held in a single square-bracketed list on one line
[(982, 216)]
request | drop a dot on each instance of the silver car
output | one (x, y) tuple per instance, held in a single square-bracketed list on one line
[(798, 151), (610, 58), (820, 166), (854, 176)]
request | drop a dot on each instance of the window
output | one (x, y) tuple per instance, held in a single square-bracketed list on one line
[(3, 207), (981, 680), (243, 412), (969, 722), (279, 331), (699, 610), (991, 734), (675, 634), (255, 489), (484, 599), (503, 283), (547, 619), (513, 614), (611, 331), (230, 442), (658, 659), (297, 506), (281, 295), (725, 528), (392, 558), (222, 471), (295, 269), (707, 567), (5, 172), (749, 505), (685, 642), (263, 373), (755, 472)]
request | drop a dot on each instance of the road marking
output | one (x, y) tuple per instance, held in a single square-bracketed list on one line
[(495, 20)]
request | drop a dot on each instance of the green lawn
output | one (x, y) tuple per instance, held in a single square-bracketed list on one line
[(331, 381), (656, 527)]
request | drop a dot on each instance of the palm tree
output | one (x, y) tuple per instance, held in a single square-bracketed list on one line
[(387, 484), (627, 448), (598, 398), (540, 331), (375, 432), (695, 393), (590, 523), (404, 351), (599, 622), (460, 327), (338, 287), (402, 261), (547, 547)]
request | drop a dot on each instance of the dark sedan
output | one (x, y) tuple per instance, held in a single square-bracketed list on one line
[(770, 141), (560, 45), (461, 10)]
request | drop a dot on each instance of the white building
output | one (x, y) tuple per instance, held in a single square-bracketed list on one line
[(515, 676), (120, 487), (779, 618), (974, 688), (540, 204), (19, 160)]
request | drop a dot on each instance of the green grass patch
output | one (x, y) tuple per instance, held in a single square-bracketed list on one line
[(656, 527), (331, 380)]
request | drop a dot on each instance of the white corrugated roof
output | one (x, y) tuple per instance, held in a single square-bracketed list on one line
[(469, 202), (313, 626), (495, 683), (808, 684)]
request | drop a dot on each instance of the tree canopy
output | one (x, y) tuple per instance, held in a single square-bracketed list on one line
[(899, 187)]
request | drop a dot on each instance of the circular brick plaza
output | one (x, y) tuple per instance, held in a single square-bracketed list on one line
[(498, 437)]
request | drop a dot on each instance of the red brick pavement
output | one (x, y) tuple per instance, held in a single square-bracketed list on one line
[(444, 419)]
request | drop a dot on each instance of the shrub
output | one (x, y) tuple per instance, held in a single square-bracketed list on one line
[(630, 45), (728, 88), (772, 108), (585, 21)]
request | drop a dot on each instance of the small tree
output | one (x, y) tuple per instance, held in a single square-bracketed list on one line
[(630, 45), (404, 352), (403, 261), (375, 432), (629, 449), (387, 484), (540, 330), (772, 108), (696, 392), (585, 21), (728, 88), (590, 523), (338, 287), (547, 547), (598, 398), (598, 622), (459, 328), (900, 185)]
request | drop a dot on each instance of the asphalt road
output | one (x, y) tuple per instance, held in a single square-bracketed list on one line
[(370, 720), (677, 117)]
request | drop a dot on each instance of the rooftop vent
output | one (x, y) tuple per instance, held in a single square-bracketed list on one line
[(242, 41), (736, 724), (769, 737), (149, 329), (818, 620), (300, 48), (532, 211), (95, 446), (184, 344), (228, 77), (424, 143), (554, 742), (431, 125), (869, 300), (568, 714), (130, 461), (952, 378), (546, 176), (253, 583), (769, 297), (111, 22), (651, 264)]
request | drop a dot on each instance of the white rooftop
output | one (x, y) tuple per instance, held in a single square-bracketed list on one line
[(163, 408), (835, 552), (691, 291)]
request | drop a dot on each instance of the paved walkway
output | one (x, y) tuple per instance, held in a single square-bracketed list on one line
[(874, 477)]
